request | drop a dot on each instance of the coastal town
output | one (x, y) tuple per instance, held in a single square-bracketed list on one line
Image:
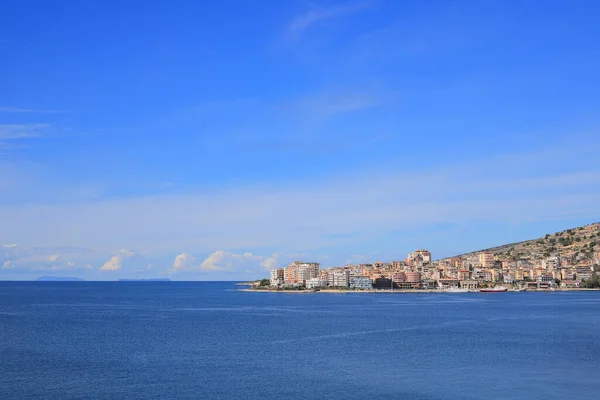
[(565, 260)]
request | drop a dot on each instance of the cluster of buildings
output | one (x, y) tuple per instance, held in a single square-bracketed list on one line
[(419, 271), (398, 274)]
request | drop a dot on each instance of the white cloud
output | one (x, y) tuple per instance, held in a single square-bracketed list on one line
[(217, 261), (277, 260), (270, 262), (115, 263), (226, 260), (68, 266), (183, 261)]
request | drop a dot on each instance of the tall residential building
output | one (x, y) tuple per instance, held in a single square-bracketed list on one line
[(290, 274), (276, 276), (486, 259), (338, 278), (418, 257), (300, 272), (413, 277), (398, 277)]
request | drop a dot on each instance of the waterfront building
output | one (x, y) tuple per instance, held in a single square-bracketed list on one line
[(570, 283), (464, 274), (567, 274), (487, 275), (313, 283), (382, 283), (304, 274), (583, 272), (448, 283), (545, 278), (299, 271), (276, 276), (290, 274), (469, 284), (398, 277), (361, 282), (338, 278), (413, 277)]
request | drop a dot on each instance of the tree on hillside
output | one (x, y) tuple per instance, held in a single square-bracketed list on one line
[(264, 282), (592, 283)]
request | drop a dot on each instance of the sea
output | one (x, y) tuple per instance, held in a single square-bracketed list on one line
[(208, 340)]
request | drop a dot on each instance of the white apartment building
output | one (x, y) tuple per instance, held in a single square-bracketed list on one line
[(276, 276), (361, 282), (313, 283)]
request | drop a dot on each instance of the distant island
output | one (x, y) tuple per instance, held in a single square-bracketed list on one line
[(48, 278), (146, 280)]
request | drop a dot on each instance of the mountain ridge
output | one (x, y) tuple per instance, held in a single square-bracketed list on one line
[(573, 243)]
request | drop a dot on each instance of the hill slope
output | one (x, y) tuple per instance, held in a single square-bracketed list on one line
[(572, 244)]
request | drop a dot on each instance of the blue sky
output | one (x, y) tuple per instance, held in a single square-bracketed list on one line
[(213, 140)]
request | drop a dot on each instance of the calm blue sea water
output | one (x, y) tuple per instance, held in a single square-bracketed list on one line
[(146, 340)]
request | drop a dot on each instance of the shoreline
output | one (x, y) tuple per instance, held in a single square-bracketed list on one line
[(334, 291)]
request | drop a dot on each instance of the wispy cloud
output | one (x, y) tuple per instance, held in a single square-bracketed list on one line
[(29, 110), (321, 15), (257, 227), (331, 102), (21, 131), (299, 216)]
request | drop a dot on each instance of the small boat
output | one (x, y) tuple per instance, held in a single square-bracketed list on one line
[(495, 289)]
